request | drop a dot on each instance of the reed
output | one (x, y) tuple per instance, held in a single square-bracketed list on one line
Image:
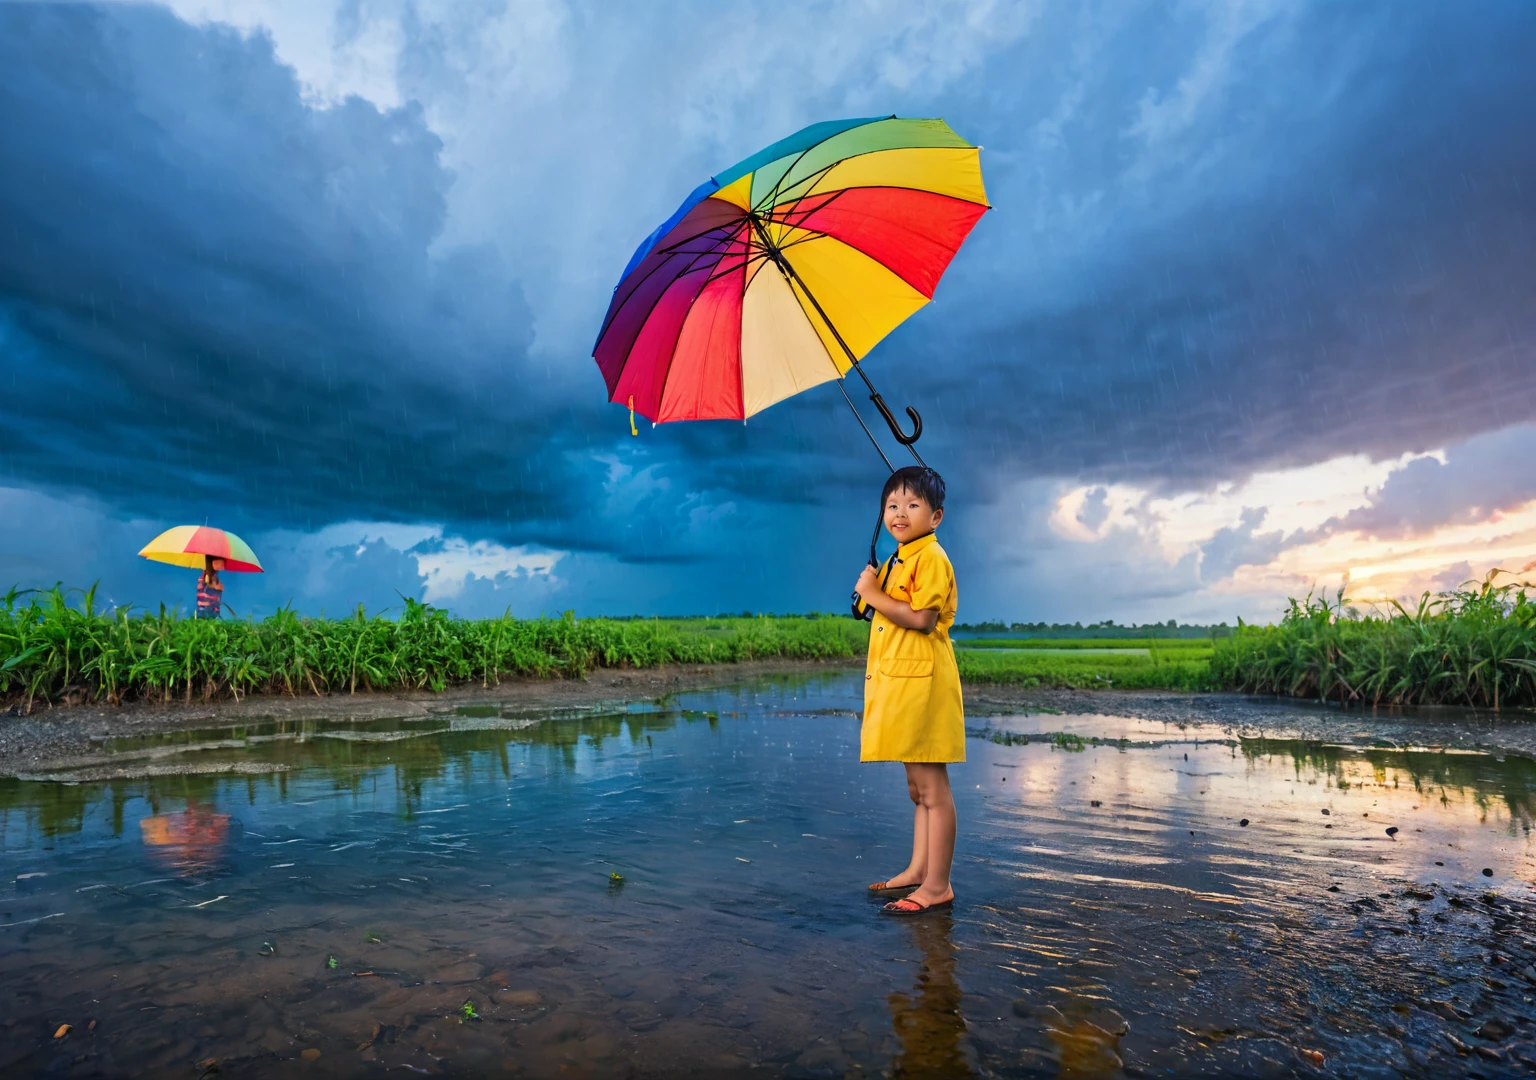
[(55, 645), (1475, 646)]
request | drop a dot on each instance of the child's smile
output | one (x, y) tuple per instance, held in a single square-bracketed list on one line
[(908, 516)]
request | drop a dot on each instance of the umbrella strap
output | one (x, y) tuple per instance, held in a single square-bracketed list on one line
[(632, 429)]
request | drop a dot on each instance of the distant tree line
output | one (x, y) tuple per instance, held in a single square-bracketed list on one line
[(1172, 629)]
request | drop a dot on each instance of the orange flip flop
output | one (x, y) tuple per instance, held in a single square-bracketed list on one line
[(895, 907)]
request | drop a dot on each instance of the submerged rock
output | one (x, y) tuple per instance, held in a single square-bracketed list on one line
[(1495, 1030)]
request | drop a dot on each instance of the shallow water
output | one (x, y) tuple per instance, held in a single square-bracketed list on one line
[(1115, 918)]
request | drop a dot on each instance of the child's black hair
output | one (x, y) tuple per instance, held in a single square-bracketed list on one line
[(920, 481)]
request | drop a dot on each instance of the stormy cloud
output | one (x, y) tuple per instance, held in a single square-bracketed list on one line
[(330, 271)]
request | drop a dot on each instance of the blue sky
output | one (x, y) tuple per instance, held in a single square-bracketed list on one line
[(1252, 313)]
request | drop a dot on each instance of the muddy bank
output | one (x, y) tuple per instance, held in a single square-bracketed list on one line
[(64, 735), (60, 734), (1509, 731)]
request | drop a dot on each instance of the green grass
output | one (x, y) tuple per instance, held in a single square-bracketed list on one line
[(1180, 645), (1170, 669), (55, 644), (1475, 646)]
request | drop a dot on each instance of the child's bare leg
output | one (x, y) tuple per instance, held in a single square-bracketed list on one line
[(937, 803), (917, 869)]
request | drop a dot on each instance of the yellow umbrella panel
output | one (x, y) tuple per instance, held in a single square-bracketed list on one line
[(191, 545)]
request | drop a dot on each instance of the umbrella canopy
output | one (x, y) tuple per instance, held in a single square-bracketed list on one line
[(788, 268), (189, 546)]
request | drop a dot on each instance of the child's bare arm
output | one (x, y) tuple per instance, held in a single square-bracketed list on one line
[(898, 611)]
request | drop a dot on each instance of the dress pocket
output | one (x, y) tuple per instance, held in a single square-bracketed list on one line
[(907, 668), (908, 656)]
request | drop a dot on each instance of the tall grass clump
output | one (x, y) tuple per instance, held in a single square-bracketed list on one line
[(52, 648), (1474, 646)]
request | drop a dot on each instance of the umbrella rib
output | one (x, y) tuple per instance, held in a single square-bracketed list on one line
[(777, 193), (772, 198), (654, 270), (795, 280), (822, 142)]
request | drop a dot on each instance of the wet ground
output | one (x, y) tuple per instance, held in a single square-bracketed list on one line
[(676, 889)]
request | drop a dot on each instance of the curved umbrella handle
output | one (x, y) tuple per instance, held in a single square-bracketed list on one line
[(861, 610), (891, 422)]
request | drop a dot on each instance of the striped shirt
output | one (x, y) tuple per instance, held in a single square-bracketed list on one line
[(210, 591)]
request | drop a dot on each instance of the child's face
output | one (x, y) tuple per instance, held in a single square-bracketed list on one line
[(908, 515), (216, 565)]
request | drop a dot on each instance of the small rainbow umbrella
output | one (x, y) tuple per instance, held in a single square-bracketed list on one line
[(784, 271), (190, 545)]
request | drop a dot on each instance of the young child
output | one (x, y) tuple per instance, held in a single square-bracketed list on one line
[(210, 590), (912, 708)]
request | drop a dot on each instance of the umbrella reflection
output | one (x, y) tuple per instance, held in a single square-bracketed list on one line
[(928, 1022), (188, 841)]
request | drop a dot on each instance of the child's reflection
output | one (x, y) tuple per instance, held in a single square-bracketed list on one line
[(188, 842), (928, 1021)]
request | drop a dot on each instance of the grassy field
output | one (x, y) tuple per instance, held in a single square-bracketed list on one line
[(1100, 663), (1473, 647), (56, 644), (1170, 648)]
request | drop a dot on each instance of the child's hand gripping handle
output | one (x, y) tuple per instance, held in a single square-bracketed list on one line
[(861, 610)]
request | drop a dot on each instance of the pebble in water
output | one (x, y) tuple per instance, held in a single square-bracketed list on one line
[(1391, 830), (1494, 1031), (1244, 823), (1487, 872)]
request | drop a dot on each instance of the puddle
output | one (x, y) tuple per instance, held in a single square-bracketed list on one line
[(336, 894)]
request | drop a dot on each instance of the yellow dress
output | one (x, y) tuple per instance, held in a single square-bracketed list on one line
[(912, 705)]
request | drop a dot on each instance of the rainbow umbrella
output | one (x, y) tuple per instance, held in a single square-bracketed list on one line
[(190, 545), (784, 271)]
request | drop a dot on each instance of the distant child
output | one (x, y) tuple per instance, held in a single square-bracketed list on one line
[(912, 707), (210, 590)]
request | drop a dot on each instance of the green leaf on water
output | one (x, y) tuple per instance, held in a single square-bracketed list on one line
[(330, 962), (467, 1011), (615, 878)]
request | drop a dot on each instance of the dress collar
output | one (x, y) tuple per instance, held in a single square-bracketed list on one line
[(912, 547)]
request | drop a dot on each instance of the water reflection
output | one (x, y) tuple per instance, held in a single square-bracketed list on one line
[(188, 842), (1085, 1037), (927, 1019), (1165, 900)]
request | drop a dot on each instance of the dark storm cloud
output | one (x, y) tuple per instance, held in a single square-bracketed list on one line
[(1335, 253), (212, 293), (1224, 239)]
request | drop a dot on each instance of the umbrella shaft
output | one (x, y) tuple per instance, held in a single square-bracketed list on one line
[(789, 273), (872, 440)]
